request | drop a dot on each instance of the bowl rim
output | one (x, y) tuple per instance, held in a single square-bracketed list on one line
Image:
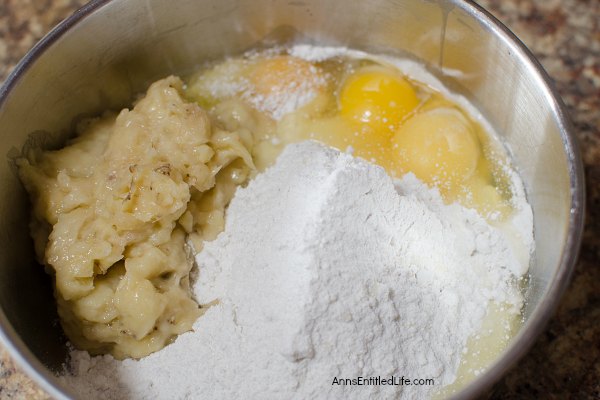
[(9, 338), (536, 323)]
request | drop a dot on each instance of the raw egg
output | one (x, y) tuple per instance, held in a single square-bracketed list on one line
[(284, 74), (440, 147), (377, 98)]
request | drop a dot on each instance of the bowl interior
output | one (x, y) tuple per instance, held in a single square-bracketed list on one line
[(111, 50)]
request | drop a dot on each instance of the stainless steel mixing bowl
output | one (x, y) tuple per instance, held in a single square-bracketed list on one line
[(110, 50)]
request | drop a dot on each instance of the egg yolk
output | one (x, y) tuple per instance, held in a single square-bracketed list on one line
[(284, 74), (377, 98), (440, 147)]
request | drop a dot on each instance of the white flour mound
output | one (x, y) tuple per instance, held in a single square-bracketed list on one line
[(326, 270)]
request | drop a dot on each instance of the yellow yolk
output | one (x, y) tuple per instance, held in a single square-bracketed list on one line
[(378, 99), (440, 147), (284, 74)]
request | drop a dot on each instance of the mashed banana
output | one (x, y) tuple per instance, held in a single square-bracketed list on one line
[(112, 212)]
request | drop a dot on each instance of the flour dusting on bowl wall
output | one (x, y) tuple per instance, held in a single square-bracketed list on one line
[(308, 211)]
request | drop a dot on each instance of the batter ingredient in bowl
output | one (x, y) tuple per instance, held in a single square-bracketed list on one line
[(326, 270), (111, 214)]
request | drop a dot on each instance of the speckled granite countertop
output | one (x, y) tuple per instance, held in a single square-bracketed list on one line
[(565, 36)]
